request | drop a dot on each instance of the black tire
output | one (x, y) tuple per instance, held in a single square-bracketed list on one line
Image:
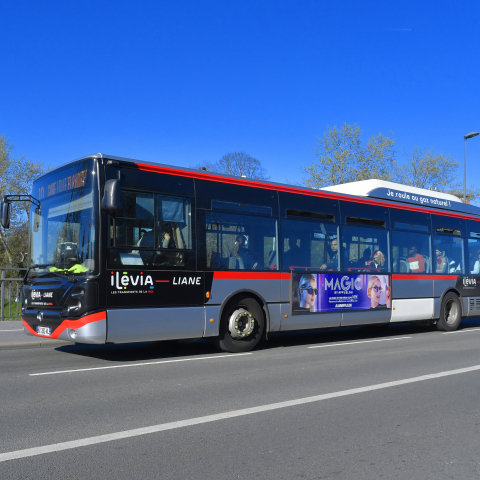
[(450, 313), (229, 342)]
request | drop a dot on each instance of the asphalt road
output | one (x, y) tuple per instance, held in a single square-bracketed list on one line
[(358, 403)]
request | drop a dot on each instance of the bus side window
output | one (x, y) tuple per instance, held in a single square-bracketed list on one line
[(240, 242), (411, 252), (449, 255), (474, 253), (136, 218), (309, 245), (153, 230), (366, 249), (174, 223)]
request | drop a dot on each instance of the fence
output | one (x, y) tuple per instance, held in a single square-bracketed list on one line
[(11, 293)]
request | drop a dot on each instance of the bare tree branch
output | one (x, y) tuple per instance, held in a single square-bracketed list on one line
[(341, 157), (239, 164)]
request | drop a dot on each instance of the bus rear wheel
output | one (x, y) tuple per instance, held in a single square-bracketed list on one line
[(450, 313), (241, 327)]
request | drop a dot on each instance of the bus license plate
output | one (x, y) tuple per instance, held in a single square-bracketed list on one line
[(44, 331)]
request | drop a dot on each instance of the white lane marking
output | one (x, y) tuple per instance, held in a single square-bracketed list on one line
[(83, 442), (354, 343), (13, 330), (139, 364), (462, 331)]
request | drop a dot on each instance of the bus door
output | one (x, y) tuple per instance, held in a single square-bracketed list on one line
[(412, 266)]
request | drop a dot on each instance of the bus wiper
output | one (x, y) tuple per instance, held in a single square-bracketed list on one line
[(70, 278), (37, 265)]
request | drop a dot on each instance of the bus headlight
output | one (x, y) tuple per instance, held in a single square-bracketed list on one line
[(73, 333)]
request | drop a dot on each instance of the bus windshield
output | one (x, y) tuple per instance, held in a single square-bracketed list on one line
[(63, 231)]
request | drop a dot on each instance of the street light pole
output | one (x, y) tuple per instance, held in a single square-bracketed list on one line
[(468, 135)]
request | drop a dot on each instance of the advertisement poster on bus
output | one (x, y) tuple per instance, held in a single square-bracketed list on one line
[(329, 292)]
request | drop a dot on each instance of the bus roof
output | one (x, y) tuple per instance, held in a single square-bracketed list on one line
[(374, 189)]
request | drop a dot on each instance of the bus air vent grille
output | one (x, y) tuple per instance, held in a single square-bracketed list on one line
[(474, 305)]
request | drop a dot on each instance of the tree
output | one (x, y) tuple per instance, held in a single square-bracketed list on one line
[(471, 193), (239, 164), (16, 177), (425, 169), (341, 157)]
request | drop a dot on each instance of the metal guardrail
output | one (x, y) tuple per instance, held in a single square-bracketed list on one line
[(11, 293)]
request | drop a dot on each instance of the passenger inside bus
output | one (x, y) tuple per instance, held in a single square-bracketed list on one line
[(332, 254), (366, 260), (476, 267), (378, 260), (415, 260), (294, 256), (244, 258), (146, 239), (442, 262), (167, 238)]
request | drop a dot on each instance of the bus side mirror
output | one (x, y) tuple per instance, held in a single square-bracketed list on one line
[(5, 212), (111, 201), (36, 219)]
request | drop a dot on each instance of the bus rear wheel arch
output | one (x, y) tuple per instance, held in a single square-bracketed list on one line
[(241, 326), (450, 313)]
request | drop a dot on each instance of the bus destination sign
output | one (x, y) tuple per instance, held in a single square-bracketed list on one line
[(63, 184)]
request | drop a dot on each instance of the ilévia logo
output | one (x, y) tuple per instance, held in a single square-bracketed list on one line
[(469, 282), (38, 294), (121, 282)]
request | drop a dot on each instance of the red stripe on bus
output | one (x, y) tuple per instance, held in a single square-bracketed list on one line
[(162, 281), (81, 322), (286, 276), (287, 189), (424, 277), (251, 276)]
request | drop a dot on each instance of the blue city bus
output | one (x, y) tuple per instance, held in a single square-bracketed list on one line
[(125, 251)]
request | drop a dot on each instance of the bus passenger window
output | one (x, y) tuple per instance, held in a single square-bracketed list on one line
[(136, 218), (240, 242), (154, 231), (411, 252), (448, 253), (474, 254), (174, 223), (309, 245), (366, 249)]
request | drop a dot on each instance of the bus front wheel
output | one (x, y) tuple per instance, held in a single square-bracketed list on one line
[(241, 327), (450, 313)]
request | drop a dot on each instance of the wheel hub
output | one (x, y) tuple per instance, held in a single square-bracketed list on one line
[(241, 323), (451, 312)]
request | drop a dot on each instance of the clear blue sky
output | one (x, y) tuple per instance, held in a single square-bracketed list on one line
[(181, 82)]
